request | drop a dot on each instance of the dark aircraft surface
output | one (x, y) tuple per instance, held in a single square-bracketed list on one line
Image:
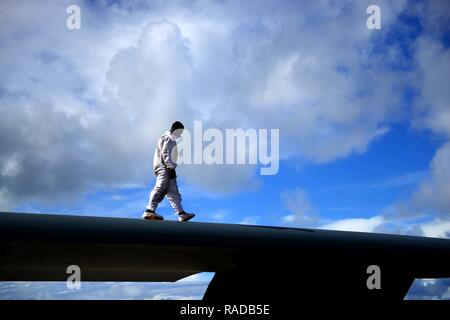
[(251, 263)]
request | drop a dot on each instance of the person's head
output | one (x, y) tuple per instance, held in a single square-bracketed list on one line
[(177, 129)]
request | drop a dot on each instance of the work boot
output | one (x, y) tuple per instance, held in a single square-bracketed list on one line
[(152, 215), (183, 216)]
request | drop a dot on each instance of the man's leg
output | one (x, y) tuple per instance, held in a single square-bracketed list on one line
[(158, 192), (174, 197)]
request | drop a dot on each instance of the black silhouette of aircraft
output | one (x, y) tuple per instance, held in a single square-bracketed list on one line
[(251, 263)]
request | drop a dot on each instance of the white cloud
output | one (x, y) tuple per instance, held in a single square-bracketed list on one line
[(433, 194), (434, 65), (192, 289), (131, 291), (383, 224), (436, 228), (355, 224), (432, 58), (429, 289), (91, 103), (431, 197), (432, 111), (297, 202), (249, 220)]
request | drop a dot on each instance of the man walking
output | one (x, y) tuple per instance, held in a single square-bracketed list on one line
[(164, 164)]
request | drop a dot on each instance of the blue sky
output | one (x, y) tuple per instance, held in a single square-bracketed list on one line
[(364, 115)]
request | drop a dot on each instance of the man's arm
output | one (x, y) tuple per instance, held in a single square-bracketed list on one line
[(166, 150)]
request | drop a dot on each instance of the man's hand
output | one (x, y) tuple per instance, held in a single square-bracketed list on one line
[(172, 173)]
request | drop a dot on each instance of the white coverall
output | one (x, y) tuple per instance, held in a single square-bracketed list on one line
[(165, 157)]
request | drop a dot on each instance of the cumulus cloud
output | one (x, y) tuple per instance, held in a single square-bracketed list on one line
[(432, 195), (430, 72), (431, 111), (81, 109), (51, 81), (432, 59), (436, 228)]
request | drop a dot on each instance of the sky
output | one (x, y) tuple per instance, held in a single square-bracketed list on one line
[(363, 115)]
